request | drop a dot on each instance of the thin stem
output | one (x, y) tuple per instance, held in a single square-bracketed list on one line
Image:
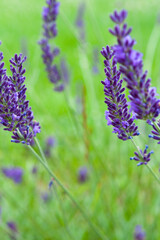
[(147, 165), (62, 209), (40, 149), (95, 229)]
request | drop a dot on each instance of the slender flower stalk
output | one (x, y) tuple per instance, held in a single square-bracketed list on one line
[(94, 227)]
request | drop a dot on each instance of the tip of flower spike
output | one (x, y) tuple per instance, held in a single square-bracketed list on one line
[(151, 152), (146, 146), (50, 183), (131, 158), (150, 136), (139, 164)]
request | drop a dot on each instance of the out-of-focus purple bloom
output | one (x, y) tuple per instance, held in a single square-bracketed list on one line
[(45, 196), (80, 21), (15, 114), (95, 61), (13, 230), (48, 54), (117, 114), (82, 174), (65, 73), (12, 226), (139, 234), (50, 141), (142, 157), (34, 170), (143, 97), (50, 183), (13, 173)]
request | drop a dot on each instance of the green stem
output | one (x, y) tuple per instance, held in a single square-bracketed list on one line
[(40, 149), (95, 229), (149, 167), (62, 209)]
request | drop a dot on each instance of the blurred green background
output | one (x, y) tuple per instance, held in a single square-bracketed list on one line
[(117, 195)]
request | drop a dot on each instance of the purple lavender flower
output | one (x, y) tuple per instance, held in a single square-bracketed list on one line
[(50, 141), (13, 173), (95, 61), (156, 130), (45, 197), (65, 73), (82, 174), (48, 54), (117, 114), (12, 226), (142, 157), (80, 21), (34, 170), (139, 234), (143, 97), (13, 230), (15, 114)]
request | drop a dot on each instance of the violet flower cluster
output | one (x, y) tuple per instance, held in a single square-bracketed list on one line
[(142, 156), (118, 114), (48, 54), (142, 96), (15, 114)]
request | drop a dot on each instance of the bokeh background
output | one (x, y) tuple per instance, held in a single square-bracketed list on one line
[(116, 194)]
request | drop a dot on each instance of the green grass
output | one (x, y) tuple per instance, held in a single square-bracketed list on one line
[(118, 195)]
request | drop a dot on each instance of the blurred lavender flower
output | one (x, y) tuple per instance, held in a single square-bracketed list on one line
[(139, 234), (34, 170), (117, 114), (95, 61), (80, 21), (82, 174), (50, 143), (13, 230), (143, 97), (12, 226), (15, 114), (45, 196), (142, 157), (13, 173), (65, 73), (49, 32)]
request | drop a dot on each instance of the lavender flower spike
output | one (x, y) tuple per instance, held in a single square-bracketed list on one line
[(13, 173), (117, 114), (49, 32), (15, 114), (142, 157), (143, 97), (139, 234)]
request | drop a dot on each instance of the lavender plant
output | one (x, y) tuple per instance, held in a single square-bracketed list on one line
[(48, 54), (15, 114), (144, 104)]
